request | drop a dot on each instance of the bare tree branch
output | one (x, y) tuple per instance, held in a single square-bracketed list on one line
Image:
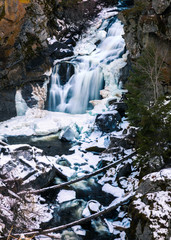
[(78, 222), (77, 179)]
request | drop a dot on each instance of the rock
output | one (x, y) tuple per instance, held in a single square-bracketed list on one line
[(160, 6), (66, 70), (95, 149), (125, 171), (115, 191), (121, 107), (146, 24), (34, 94), (94, 206), (27, 164), (7, 104), (71, 211), (59, 54), (101, 229), (102, 163), (69, 135), (108, 122), (69, 235), (151, 207)]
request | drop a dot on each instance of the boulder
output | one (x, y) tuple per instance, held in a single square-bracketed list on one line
[(69, 135), (151, 207), (95, 149), (27, 166), (108, 122), (125, 171)]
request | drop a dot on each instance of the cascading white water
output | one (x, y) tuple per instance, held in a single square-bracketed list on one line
[(90, 63)]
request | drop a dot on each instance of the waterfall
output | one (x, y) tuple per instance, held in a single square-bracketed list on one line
[(93, 54)]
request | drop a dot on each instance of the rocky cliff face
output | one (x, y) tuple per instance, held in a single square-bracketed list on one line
[(149, 22), (25, 52)]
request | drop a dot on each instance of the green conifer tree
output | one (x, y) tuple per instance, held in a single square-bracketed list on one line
[(149, 110)]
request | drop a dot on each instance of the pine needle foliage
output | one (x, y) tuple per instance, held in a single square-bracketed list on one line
[(149, 109)]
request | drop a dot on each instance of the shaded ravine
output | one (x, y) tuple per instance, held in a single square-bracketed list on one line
[(98, 61)]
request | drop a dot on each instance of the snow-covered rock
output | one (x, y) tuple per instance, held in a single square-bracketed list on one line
[(151, 208), (27, 165)]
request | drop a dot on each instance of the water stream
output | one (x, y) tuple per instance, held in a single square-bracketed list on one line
[(98, 59), (94, 53)]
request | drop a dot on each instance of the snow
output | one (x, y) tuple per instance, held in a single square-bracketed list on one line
[(86, 212), (115, 191), (157, 206), (21, 106), (79, 230), (66, 195), (42, 122), (68, 172), (157, 214), (52, 40), (94, 205)]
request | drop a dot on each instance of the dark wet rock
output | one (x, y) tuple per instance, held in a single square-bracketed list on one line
[(102, 163), (125, 171), (95, 149), (7, 104), (121, 107), (71, 211), (101, 229), (61, 53), (108, 122), (2, 143), (66, 70)]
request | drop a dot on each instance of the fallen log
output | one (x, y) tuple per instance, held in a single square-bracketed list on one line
[(78, 222), (77, 179)]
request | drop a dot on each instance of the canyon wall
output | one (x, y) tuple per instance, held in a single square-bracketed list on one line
[(147, 23), (25, 51)]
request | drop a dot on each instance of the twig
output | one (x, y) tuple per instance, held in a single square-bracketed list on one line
[(15, 195)]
